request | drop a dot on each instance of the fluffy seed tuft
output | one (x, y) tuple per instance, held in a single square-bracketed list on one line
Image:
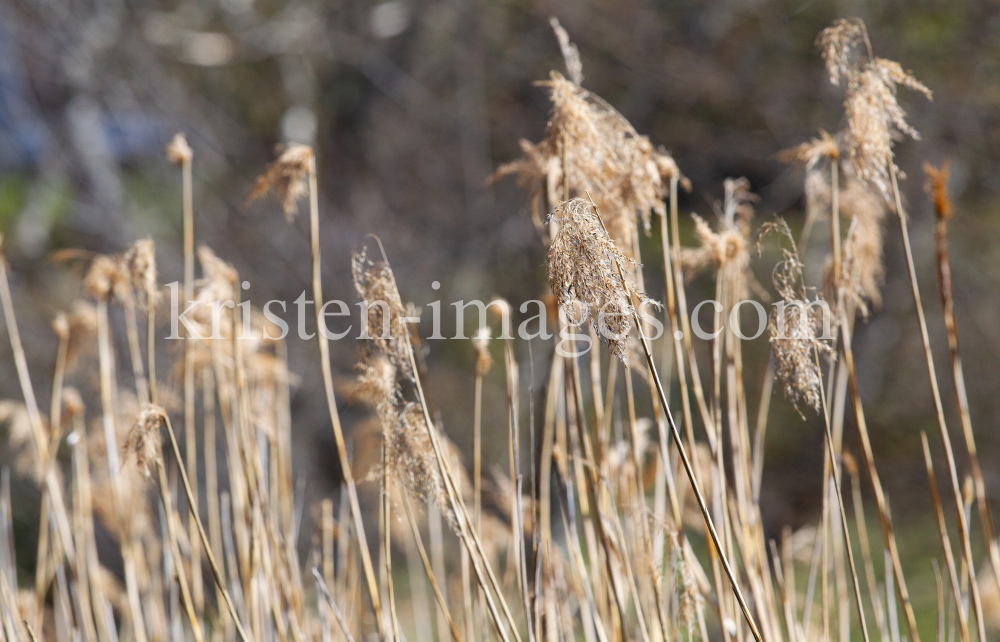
[(286, 177), (143, 441), (583, 264)]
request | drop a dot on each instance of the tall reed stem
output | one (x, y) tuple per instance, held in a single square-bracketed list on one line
[(331, 401), (963, 525), (686, 460)]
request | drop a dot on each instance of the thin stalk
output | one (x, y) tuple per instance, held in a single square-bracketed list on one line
[(220, 582), (945, 540), (387, 541), (958, 376), (333, 605), (963, 525), (835, 469), (169, 515), (438, 596), (189, 385), (687, 462)]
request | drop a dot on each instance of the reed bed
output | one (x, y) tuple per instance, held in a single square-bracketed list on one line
[(614, 523)]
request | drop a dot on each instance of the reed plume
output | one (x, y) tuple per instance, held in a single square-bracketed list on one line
[(794, 328), (582, 263)]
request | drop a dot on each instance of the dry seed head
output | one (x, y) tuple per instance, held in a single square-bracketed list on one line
[(377, 383), (178, 151), (863, 269), (589, 148), (143, 441), (574, 68), (103, 277), (60, 325), (73, 402), (139, 262), (937, 188), (412, 454), (286, 177), (811, 152), (82, 327), (376, 286), (481, 342), (583, 269), (874, 115), (836, 43), (793, 330)]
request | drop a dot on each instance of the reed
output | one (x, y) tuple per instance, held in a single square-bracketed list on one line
[(594, 535)]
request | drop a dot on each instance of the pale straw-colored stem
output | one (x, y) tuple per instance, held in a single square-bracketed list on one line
[(220, 582), (963, 525), (331, 401), (387, 539), (333, 605), (737, 591), (835, 470), (945, 540), (438, 596)]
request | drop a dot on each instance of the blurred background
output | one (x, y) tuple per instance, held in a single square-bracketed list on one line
[(412, 104)]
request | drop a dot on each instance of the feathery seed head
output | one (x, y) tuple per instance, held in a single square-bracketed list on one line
[(178, 151), (60, 325), (836, 43), (286, 177), (384, 325), (73, 402), (589, 148), (583, 264), (793, 327), (139, 262), (103, 278), (143, 441), (874, 115), (811, 152), (574, 68)]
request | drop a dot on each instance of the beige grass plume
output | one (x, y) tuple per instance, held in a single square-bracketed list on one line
[(142, 444), (571, 55), (104, 278), (384, 358), (178, 151), (590, 148), (139, 263), (726, 251), (794, 331), (286, 177), (874, 115), (583, 263), (376, 286)]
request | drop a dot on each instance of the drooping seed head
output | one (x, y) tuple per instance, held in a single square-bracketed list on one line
[(142, 444), (286, 177)]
